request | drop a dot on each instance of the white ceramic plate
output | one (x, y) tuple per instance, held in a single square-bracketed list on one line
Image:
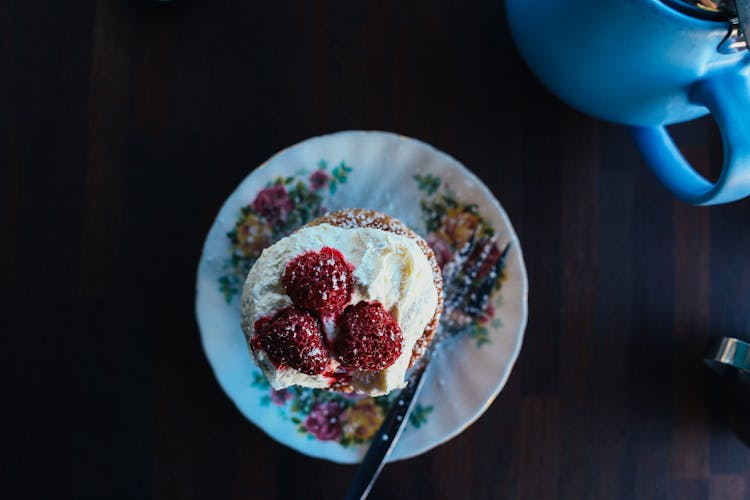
[(425, 188)]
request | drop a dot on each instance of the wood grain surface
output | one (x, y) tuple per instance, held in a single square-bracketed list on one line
[(125, 124)]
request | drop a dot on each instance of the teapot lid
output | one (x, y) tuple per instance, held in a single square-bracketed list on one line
[(717, 10)]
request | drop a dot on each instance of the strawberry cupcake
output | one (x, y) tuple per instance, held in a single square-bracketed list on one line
[(348, 303)]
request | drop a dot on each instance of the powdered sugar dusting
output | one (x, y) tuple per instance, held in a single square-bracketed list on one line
[(389, 266)]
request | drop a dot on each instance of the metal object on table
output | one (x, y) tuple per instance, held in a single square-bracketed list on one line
[(728, 354), (468, 283), (730, 359)]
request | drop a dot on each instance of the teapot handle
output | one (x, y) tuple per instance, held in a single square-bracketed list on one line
[(726, 93)]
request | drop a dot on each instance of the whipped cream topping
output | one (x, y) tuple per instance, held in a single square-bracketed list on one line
[(388, 268)]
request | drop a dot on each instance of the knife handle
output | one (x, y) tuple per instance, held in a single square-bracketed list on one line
[(386, 438)]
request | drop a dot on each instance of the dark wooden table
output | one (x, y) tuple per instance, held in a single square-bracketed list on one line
[(125, 124)]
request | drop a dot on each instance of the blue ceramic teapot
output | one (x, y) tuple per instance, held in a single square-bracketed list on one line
[(648, 64)]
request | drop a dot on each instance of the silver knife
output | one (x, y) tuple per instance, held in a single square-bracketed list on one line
[(387, 436)]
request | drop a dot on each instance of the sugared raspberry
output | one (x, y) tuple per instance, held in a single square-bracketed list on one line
[(320, 281), (292, 337), (369, 338)]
